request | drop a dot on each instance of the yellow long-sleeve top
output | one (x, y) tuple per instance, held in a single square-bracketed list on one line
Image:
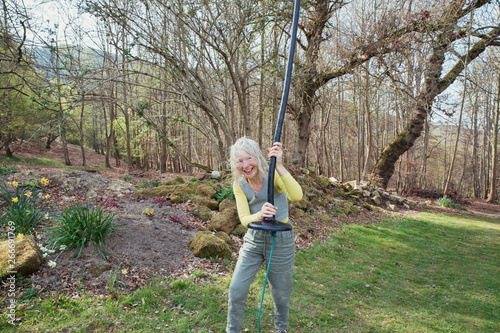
[(249, 204)]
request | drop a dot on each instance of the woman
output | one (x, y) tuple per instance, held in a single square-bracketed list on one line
[(249, 168)]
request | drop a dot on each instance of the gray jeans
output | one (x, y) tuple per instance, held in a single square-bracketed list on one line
[(255, 250)]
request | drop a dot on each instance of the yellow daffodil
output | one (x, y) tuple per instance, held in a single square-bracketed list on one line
[(15, 184), (28, 194), (14, 200), (20, 235), (47, 196), (124, 271), (9, 183), (44, 181)]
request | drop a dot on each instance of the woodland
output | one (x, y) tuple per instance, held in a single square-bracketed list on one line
[(404, 94)]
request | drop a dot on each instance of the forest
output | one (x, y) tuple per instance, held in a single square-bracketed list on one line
[(404, 94)]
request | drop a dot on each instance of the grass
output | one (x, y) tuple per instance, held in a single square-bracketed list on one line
[(430, 273), (33, 161)]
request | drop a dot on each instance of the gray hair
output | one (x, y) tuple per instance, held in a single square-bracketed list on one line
[(252, 148)]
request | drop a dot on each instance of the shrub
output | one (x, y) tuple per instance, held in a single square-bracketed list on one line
[(24, 205), (81, 224), (447, 202), (225, 192)]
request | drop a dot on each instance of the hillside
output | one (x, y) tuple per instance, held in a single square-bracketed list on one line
[(146, 246)]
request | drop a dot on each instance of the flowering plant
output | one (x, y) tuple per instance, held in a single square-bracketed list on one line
[(24, 204)]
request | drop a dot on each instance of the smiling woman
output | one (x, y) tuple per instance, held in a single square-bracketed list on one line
[(249, 168)]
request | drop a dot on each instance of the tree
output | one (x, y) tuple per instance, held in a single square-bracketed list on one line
[(448, 33)]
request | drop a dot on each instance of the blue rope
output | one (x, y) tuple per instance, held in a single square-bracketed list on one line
[(273, 233)]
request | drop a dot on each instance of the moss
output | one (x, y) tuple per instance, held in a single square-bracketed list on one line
[(202, 212), (207, 245), (176, 181), (160, 191), (205, 190), (325, 218), (239, 230)]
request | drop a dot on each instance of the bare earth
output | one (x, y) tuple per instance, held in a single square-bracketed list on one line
[(145, 246)]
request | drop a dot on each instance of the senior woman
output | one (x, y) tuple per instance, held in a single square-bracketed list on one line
[(249, 169)]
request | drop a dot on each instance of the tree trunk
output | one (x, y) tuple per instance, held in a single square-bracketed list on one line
[(82, 134), (494, 154)]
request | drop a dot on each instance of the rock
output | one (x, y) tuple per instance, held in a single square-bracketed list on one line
[(205, 201), (333, 180), (376, 199), (96, 270), (225, 221), (215, 174), (355, 209), (177, 181), (225, 237), (369, 207), (205, 190), (391, 206), (206, 245), (202, 212), (325, 218), (366, 193), (239, 230), (121, 187), (26, 253), (227, 203)]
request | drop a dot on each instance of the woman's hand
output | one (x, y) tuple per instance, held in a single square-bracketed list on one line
[(267, 210), (277, 151)]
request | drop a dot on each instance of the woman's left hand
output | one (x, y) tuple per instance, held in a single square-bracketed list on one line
[(277, 151)]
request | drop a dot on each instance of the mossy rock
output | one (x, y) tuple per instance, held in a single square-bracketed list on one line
[(369, 207), (205, 201), (355, 209), (176, 181), (306, 219), (297, 212), (302, 204), (239, 230), (184, 192), (206, 245), (330, 198), (202, 212), (225, 237), (325, 182), (325, 218), (28, 256), (346, 210), (205, 190), (225, 221), (342, 216), (227, 203)]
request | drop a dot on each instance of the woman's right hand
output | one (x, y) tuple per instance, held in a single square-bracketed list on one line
[(267, 210)]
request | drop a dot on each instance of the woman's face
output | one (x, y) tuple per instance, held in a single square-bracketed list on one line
[(247, 164)]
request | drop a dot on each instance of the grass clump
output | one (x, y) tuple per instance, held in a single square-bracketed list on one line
[(448, 203), (80, 224), (7, 170)]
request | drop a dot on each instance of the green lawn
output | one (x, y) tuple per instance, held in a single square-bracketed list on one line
[(431, 273)]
